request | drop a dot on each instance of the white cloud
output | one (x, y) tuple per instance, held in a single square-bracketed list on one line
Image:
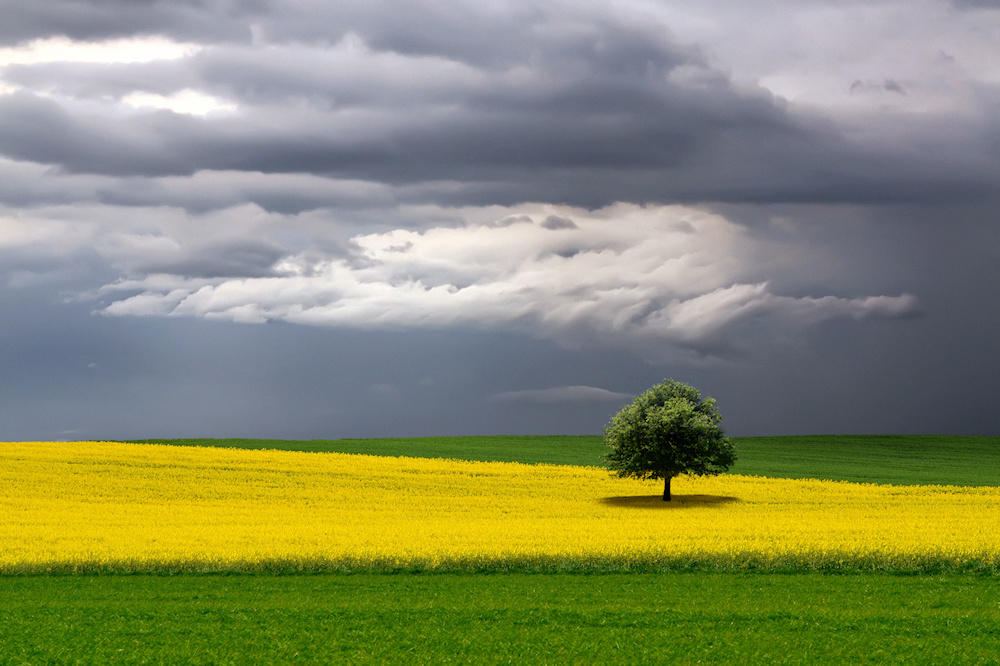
[(812, 52), (562, 394), (704, 316), (624, 274), (62, 49), (187, 101), (113, 52)]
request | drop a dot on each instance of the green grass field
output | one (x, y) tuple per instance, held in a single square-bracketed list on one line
[(515, 618), (900, 459)]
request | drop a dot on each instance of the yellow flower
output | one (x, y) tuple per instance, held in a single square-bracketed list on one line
[(103, 505)]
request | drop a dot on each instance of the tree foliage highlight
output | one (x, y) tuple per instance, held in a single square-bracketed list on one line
[(668, 430)]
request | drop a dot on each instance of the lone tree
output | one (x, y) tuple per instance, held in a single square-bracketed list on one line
[(666, 431)]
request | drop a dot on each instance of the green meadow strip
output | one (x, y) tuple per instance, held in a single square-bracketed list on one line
[(826, 562), (466, 618), (895, 459)]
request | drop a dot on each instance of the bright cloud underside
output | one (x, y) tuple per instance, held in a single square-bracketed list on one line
[(627, 273), (562, 394)]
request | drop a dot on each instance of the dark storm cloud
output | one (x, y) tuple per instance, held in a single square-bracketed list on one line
[(30, 184), (281, 193), (509, 103), (92, 20), (894, 86), (976, 4), (346, 133), (489, 34), (331, 77), (242, 258), (40, 130), (556, 222), (671, 145)]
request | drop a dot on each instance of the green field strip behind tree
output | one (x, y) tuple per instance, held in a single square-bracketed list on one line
[(898, 459), (687, 618)]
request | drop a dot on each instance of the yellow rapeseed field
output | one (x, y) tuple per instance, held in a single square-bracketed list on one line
[(92, 506)]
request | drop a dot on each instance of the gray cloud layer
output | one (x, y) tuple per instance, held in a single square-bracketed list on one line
[(644, 184), (585, 106)]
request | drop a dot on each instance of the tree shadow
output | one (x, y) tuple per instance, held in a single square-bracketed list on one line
[(677, 502)]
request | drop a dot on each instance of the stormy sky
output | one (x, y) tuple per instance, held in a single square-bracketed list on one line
[(304, 219)]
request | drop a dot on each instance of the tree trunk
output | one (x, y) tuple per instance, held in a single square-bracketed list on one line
[(666, 488)]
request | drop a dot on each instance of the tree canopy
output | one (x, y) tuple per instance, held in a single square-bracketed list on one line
[(668, 430)]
